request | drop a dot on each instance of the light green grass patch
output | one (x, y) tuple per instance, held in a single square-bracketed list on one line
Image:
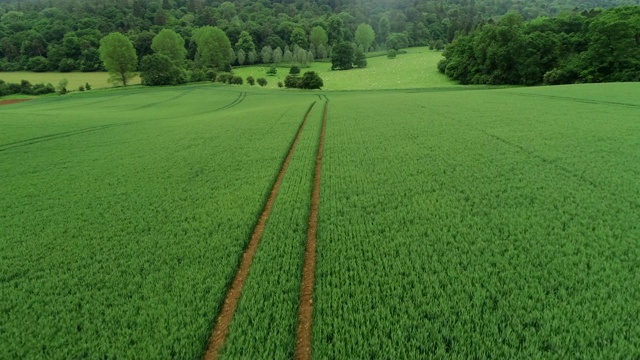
[(415, 69), (97, 80)]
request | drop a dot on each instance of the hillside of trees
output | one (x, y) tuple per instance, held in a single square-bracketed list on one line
[(593, 46), (64, 35)]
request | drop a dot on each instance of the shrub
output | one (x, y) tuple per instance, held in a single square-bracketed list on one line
[(272, 70), (67, 65), (291, 81), (197, 75), (62, 86), (87, 86), (37, 64), (25, 87), (223, 77), (236, 80), (280, 84), (251, 81), (262, 81), (14, 88), (211, 75), (158, 69), (310, 80), (4, 88), (360, 59), (295, 70), (41, 89), (391, 54), (81, 88)]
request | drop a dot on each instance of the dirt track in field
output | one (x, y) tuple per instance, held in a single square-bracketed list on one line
[(305, 311), (225, 316), (12, 101)]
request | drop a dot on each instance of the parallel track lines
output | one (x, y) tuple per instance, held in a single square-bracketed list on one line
[(230, 303), (305, 311)]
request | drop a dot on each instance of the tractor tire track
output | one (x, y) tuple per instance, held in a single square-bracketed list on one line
[(563, 169), (305, 311), (225, 316), (103, 99), (578, 100), (61, 135), (184, 93), (235, 102)]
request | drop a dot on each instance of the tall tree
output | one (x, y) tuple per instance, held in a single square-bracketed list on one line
[(245, 42), (384, 28), (214, 47), (267, 55), (119, 57), (170, 44), (342, 56), (299, 37), (335, 30), (318, 36), (365, 36)]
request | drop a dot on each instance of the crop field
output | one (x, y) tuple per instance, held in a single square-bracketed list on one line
[(452, 223)]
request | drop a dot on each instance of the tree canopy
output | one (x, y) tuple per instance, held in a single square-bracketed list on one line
[(170, 44), (365, 36), (595, 46), (119, 57), (214, 47)]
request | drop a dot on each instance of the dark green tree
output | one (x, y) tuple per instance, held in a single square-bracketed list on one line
[(310, 80), (397, 41), (159, 69), (245, 42), (359, 59), (342, 56), (335, 30), (299, 37)]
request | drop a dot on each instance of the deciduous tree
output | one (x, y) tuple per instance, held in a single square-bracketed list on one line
[(170, 44), (342, 56), (214, 47), (119, 57), (365, 36)]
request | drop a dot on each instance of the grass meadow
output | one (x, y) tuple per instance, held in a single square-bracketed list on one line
[(97, 80), (453, 222), (415, 69)]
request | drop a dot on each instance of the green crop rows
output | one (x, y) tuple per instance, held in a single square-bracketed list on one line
[(119, 241), (454, 223), (268, 308), (483, 225)]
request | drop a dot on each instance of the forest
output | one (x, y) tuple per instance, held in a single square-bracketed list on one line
[(593, 46), (48, 35)]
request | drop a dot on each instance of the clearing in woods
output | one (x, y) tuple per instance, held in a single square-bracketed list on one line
[(501, 222)]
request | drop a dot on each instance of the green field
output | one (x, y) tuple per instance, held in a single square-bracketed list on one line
[(415, 69), (453, 223), (97, 80)]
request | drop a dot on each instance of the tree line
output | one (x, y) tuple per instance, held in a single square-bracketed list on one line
[(592, 46), (41, 35)]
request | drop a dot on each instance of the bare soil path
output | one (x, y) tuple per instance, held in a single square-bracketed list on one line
[(225, 316), (305, 311), (12, 101)]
